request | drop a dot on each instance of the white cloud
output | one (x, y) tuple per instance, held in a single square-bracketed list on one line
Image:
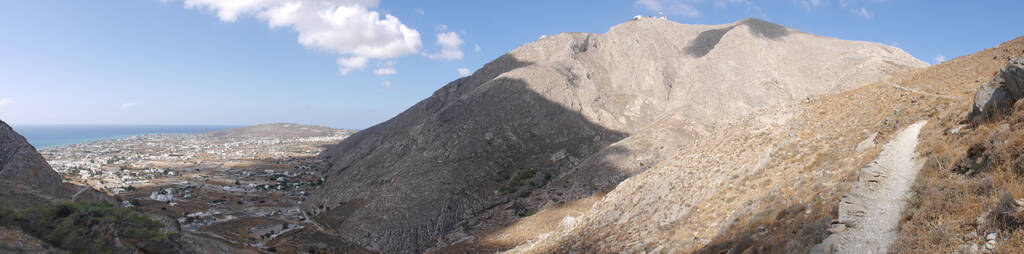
[(670, 7), (847, 3), (386, 84), (863, 12), (720, 5), (940, 58), (807, 5), (385, 71), (386, 68), (689, 8), (463, 72), (345, 27), (850, 6), (476, 47), (128, 105), (449, 42), (420, 11), (346, 65), (4, 102), (752, 8)]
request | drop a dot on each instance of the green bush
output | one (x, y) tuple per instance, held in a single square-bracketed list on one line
[(520, 178), (88, 227)]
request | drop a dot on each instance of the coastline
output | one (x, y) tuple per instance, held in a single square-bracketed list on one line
[(54, 135)]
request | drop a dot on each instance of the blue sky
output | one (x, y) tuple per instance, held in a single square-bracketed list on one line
[(245, 62)]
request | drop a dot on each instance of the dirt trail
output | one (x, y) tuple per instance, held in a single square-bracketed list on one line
[(869, 214), (75, 197), (924, 93)]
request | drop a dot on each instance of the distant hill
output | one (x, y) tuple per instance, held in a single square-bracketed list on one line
[(568, 117), (279, 130)]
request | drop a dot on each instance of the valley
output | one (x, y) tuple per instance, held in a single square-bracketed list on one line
[(652, 136), (241, 186)]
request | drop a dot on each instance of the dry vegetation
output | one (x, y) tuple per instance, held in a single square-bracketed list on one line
[(807, 178), (968, 188), (769, 184), (973, 174), (788, 204)]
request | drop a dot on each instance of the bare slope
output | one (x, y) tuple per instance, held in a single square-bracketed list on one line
[(772, 182), (569, 116)]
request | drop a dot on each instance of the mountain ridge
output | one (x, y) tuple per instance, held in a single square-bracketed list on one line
[(773, 181), (568, 116)]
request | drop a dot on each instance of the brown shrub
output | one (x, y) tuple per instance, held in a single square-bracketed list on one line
[(1006, 215), (974, 162)]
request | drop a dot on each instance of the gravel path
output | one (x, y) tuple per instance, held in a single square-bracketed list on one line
[(924, 93), (869, 214), (75, 197)]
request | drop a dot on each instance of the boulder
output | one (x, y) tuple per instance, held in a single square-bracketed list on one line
[(998, 96), (1013, 77), (990, 99)]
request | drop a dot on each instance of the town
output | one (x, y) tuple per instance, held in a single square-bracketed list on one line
[(242, 185)]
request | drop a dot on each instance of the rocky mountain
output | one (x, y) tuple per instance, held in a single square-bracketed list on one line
[(26, 179), (536, 137), (785, 178)]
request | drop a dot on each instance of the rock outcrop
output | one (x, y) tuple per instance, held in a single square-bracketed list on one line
[(27, 180), (997, 96), (25, 177), (567, 117)]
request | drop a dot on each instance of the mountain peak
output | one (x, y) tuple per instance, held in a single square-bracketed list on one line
[(569, 116)]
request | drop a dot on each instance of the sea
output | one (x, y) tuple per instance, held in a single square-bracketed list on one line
[(46, 136)]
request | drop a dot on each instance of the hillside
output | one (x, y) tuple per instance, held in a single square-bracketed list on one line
[(549, 127), (971, 188), (27, 180), (773, 181)]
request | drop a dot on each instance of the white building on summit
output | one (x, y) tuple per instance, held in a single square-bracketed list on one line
[(660, 16)]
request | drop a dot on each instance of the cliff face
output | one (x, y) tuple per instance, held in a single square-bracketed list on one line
[(569, 116)]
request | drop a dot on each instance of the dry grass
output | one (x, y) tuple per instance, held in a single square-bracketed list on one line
[(966, 176), (970, 174), (530, 227), (787, 204), (946, 204)]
